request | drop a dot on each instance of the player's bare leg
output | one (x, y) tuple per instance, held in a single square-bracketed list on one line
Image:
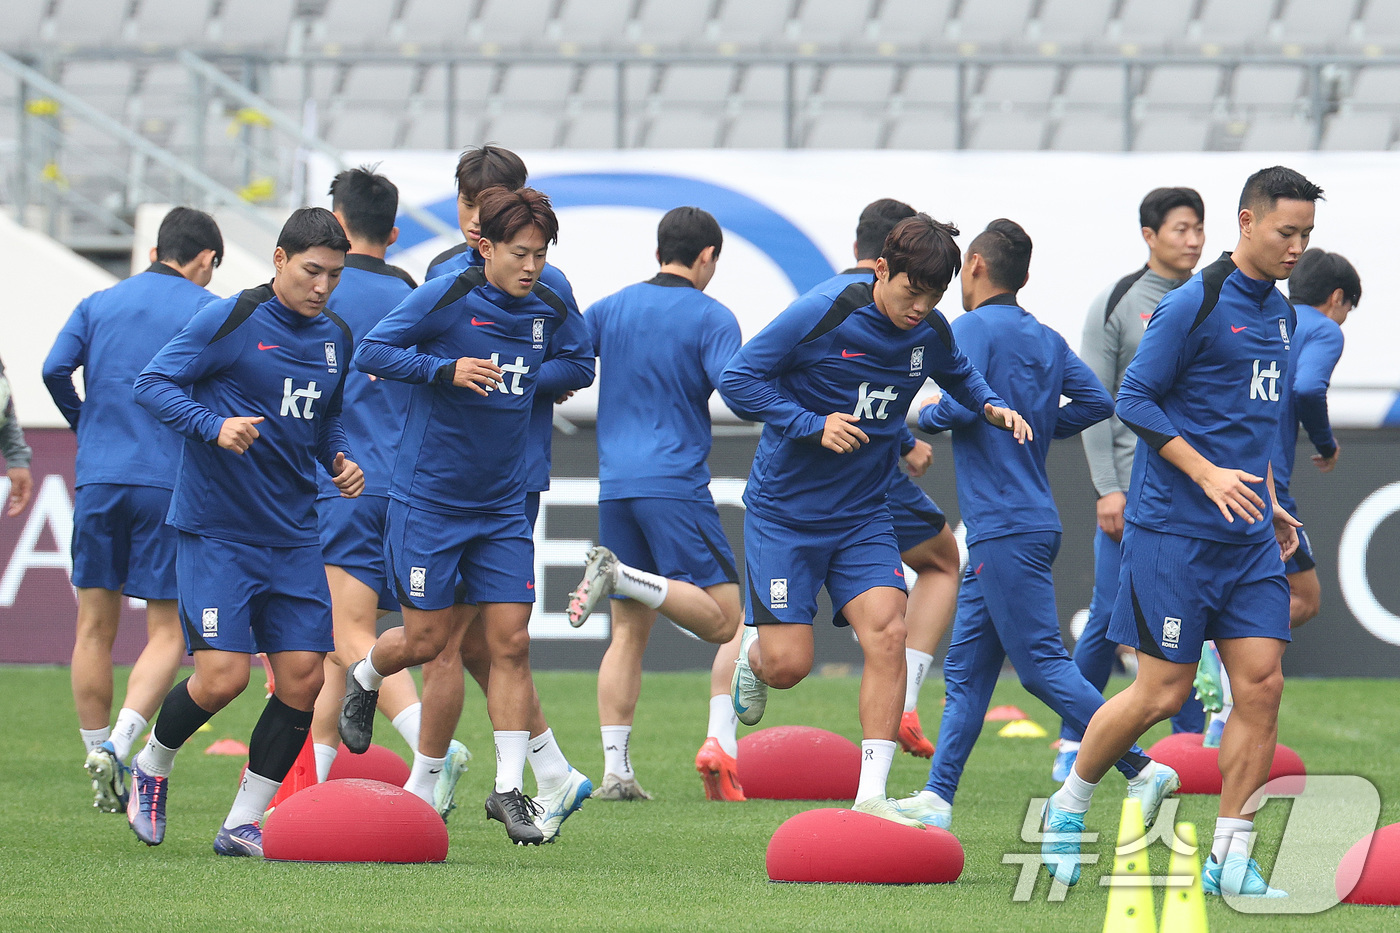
[(1304, 597), (717, 760), (932, 603), (420, 639), (695, 609)]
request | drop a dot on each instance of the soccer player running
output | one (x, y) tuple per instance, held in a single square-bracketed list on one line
[(1203, 544), (663, 344), (1006, 607), (472, 345), (254, 383), (816, 495), (1172, 221), (352, 530), (125, 470), (1323, 289)]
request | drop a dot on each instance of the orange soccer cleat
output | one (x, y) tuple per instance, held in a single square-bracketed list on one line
[(720, 772), (911, 736)]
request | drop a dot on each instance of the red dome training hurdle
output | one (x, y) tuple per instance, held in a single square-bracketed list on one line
[(842, 846), (376, 764), (1370, 871), (1199, 767), (354, 820), (798, 763)]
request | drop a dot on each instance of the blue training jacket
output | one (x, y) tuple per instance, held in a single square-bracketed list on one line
[(112, 335), (833, 350), (1003, 488), (1213, 368), (251, 355), (1317, 346)]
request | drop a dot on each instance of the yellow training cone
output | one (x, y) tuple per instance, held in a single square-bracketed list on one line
[(1130, 904), (1184, 910), (1021, 729)]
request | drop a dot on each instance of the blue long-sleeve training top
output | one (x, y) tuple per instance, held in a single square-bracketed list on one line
[(249, 356), (833, 350), (111, 336), (663, 345), (374, 409), (1003, 487), (1213, 369), (1317, 346), (568, 361), (462, 452)]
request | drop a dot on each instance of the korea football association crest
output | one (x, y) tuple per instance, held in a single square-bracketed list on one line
[(1283, 332), (331, 364), (916, 362), (537, 332), (417, 581), (210, 623), (777, 593), (1171, 632)]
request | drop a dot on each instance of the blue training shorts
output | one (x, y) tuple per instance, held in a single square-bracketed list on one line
[(352, 538), (1176, 592), (916, 517), (250, 598), (787, 566), (121, 541), (680, 539), (428, 553)]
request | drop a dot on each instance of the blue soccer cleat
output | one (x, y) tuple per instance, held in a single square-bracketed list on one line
[(1064, 761), (1239, 877), (242, 841), (1059, 848), (445, 790), (926, 807), (558, 806), (109, 779), (145, 810), (1213, 732)]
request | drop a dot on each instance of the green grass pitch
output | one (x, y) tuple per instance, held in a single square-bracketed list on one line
[(675, 863)]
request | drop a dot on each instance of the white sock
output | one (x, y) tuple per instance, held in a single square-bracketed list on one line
[(1231, 836), (1227, 695), (724, 724), (156, 759), (511, 748), (254, 795), (325, 757), (92, 738), (1224, 715), (1144, 775), (547, 761), (424, 776), (124, 733), (1075, 796), (408, 723), (876, 756), (368, 676), (1067, 746), (919, 663), (935, 799), (646, 588), (616, 759)]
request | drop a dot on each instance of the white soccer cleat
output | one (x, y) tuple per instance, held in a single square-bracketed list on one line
[(445, 790), (886, 809), (620, 788), (1155, 784), (599, 579), (559, 805), (748, 693), (926, 808)]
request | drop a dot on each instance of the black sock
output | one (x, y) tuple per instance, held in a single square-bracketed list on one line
[(1132, 764), (180, 716), (277, 739)]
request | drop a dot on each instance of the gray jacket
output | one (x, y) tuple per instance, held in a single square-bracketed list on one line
[(12, 446), (1112, 332)]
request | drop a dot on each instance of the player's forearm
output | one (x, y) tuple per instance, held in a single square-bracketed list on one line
[(389, 361), (331, 440), (13, 448), (1098, 451), (565, 374), (1312, 412), (1180, 454), (164, 398), (1089, 405), (945, 415), (64, 395), (756, 399)]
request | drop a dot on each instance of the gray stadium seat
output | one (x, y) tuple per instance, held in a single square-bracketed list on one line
[(1010, 131), (434, 24), (1088, 132), (667, 23), (1072, 22), (695, 84), (287, 85), (253, 23), (427, 129), (171, 22), (1152, 23), (512, 23), (765, 83), (1380, 21), (1234, 22), (353, 23), (1018, 84), (845, 129), (594, 22), (363, 127), (23, 25), (746, 23), (86, 22), (1359, 132), (1094, 84), (913, 22), (932, 84), (1171, 133), (592, 128), (688, 129), (755, 129), (867, 85), (1310, 22), (598, 84), (538, 83), (523, 129), (1286, 134), (1376, 86), (833, 23), (375, 82), (1181, 85), (104, 84), (477, 83), (924, 129), (990, 22), (1267, 86)]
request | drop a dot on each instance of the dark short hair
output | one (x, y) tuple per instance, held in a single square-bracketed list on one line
[(504, 213), (185, 233), (1006, 249), (309, 227), (684, 233), (875, 224), (369, 202), (923, 248), (1160, 202), (1265, 187), (489, 167), (1318, 274)]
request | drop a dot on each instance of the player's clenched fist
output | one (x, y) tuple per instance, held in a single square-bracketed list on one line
[(841, 434), (238, 434), (478, 375), (347, 476)]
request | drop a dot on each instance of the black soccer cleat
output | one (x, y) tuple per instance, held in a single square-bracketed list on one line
[(357, 714), (519, 813)]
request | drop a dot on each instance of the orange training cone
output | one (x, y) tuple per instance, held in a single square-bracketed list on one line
[(302, 775)]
